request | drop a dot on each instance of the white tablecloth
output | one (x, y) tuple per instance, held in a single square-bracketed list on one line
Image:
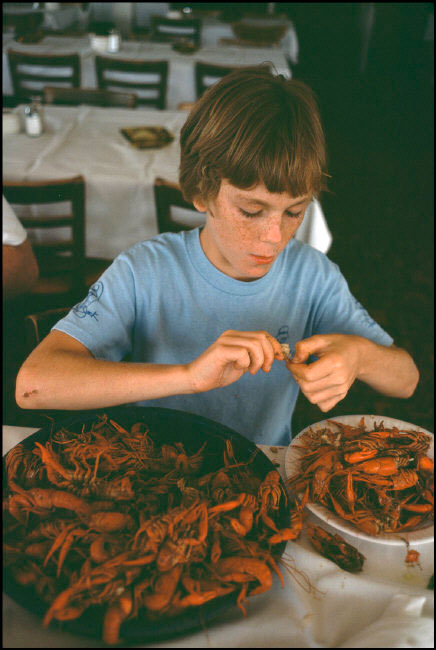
[(213, 30), (181, 76), (120, 208), (387, 605)]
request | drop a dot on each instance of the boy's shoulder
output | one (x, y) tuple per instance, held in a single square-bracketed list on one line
[(303, 255), (167, 245)]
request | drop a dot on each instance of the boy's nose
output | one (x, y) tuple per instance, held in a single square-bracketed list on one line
[(272, 232)]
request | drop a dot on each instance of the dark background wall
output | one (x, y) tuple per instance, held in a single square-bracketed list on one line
[(378, 119)]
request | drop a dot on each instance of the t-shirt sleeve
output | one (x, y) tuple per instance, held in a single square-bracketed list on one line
[(338, 311), (103, 322)]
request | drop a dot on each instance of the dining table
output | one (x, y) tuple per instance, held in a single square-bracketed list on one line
[(386, 605), (120, 208), (181, 73), (55, 15)]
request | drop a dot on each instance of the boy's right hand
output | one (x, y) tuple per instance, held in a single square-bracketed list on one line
[(230, 356)]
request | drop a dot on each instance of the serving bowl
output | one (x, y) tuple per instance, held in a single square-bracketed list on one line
[(337, 524)]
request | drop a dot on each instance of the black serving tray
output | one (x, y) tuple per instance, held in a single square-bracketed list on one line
[(169, 426)]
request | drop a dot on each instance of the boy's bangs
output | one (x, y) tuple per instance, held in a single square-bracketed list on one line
[(278, 167)]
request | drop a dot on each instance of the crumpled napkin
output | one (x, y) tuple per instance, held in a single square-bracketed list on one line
[(403, 624), (314, 229)]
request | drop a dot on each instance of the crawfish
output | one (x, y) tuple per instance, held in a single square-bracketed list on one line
[(114, 616), (163, 590), (109, 522), (39, 500), (244, 569), (411, 440), (364, 520), (177, 457), (200, 591), (295, 523), (382, 466), (270, 493), (335, 548), (22, 463), (403, 479)]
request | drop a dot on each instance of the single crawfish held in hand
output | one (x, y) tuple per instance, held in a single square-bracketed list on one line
[(108, 516), (380, 480)]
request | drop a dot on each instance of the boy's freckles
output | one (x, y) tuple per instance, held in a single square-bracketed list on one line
[(245, 247)]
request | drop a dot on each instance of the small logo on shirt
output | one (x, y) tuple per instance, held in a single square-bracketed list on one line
[(82, 309), (282, 336)]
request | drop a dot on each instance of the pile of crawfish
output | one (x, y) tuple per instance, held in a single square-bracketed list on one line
[(107, 517), (381, 480)]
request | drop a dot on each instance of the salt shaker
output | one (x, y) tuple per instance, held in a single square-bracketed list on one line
[(33, 120), (113, 42)]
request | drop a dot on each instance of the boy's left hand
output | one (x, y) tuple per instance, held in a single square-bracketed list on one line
[(326, 382)]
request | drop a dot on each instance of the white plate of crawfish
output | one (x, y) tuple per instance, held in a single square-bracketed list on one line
[(370, 476)]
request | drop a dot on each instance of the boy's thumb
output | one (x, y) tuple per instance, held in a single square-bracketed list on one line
[(306, 347)]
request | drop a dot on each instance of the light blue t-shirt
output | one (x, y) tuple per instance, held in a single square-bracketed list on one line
[(163, 301)]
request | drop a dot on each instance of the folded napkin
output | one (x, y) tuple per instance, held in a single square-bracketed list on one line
[(147, 137), (403, 624)]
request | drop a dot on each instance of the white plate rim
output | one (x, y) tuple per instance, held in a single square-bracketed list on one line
[(422, 536)]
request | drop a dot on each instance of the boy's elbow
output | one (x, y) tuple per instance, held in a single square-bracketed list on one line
[(25, 391), (413, 383)]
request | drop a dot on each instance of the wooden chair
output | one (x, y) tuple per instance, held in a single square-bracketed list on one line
[(141, 17), (64, 275), (88, 96), (166, 196), (111, 73), (31, 68), (204, 70), (171, 30), (38, 325)]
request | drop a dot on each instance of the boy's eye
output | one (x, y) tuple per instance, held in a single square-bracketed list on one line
[(250, 214), (294, 215), (256, 214)]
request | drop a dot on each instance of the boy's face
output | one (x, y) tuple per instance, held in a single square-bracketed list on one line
[(246, 230)]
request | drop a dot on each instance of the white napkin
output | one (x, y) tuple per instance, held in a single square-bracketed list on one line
[(402, 625), (314, 229)]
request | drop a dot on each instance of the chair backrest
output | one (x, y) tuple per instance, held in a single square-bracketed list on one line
[(60, 256), (170, 30), (207, 74), (89, 96), (148, 77), (166, 196), (37, 326), (31, 72), (142, 13)]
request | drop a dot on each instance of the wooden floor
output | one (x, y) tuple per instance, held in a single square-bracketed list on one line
[(380, 211)]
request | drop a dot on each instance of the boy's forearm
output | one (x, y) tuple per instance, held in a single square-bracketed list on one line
[(389, 370), (72, 382)]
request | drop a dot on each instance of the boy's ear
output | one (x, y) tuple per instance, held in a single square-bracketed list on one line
[(199, 204)]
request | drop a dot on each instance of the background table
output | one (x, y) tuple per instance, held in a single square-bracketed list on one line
[(213, 30), (387, 605), (56, 15), (181, 75), (120, 208)]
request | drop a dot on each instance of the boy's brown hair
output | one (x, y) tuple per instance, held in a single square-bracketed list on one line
[(253, 127)]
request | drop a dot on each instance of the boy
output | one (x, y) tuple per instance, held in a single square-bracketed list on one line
[(203, 313)]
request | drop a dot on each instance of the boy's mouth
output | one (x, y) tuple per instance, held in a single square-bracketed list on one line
[(261, 259)]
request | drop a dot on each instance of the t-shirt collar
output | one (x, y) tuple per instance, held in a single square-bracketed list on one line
[(217, 278)]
